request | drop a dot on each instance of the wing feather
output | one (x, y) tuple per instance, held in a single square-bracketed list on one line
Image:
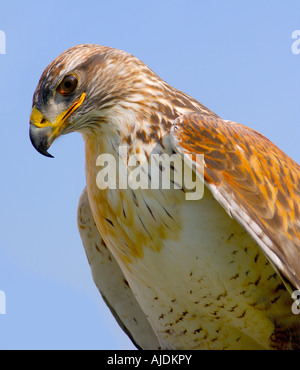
[(111, 282), (256, 183)]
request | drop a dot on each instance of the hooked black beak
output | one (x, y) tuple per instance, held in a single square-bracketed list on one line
[(39, 139), (42, 132)]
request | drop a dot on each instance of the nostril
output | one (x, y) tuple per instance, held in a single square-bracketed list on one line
[(43, 120)]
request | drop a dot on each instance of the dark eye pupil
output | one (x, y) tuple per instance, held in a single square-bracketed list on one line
[(68, 84)]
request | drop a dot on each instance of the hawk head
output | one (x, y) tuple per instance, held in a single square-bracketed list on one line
[(78, 89), (91, 88)]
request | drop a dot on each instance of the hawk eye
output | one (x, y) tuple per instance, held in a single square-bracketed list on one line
[(68, 85)]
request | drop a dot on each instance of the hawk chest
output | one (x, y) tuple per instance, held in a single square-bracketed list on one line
[(131, 220), (186, 262)]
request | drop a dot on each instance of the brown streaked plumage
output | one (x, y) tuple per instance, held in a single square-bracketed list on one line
[(216, 273), (252, 177)]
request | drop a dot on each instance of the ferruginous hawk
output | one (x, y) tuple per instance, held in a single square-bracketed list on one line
[(212, 273)]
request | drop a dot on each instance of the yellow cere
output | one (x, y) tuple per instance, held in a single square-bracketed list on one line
[(38, 119)]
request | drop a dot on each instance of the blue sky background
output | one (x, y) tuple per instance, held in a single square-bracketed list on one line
[(233, 56)]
